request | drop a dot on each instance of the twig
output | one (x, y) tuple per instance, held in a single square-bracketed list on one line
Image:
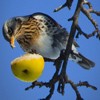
[(75, 89), (88, 15), (60, 7), (68, 4), (86, 84), (80, 32)]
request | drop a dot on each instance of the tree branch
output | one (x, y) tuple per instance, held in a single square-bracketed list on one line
[(87, 13), (61, 62), (68, 4)]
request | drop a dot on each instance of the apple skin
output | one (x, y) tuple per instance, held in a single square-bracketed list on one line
[(28, 68)]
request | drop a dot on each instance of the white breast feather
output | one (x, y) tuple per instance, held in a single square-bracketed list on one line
[(45, 48)]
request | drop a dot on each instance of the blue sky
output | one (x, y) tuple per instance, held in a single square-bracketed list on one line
[(13, 89)]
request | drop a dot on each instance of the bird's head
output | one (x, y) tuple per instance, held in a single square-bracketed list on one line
[(11, 28)]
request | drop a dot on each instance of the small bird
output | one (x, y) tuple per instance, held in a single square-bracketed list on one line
[(40, 33)]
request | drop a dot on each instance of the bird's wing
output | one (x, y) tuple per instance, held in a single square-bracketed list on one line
[(47, 16), (61, 32)]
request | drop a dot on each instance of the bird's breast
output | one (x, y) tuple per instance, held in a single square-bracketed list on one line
[(44, 47)]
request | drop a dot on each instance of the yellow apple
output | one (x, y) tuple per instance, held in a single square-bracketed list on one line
[(28, 68)]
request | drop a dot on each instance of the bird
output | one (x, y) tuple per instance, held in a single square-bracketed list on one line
[(40, 33)]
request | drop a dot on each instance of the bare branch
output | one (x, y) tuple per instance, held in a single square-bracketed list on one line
[(76, 90), (68, 4), (80, 32), (60, 7), (88, 15), (86, 84), (70, 40), (61, 62)]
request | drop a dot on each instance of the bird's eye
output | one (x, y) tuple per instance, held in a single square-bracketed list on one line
[(10, 31)]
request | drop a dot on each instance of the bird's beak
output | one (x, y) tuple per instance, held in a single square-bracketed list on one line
[(12, 41)]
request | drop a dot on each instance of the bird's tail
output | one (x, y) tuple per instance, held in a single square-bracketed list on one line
[(83, 61)]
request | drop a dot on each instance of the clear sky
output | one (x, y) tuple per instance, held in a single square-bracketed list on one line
[(13, 89)]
